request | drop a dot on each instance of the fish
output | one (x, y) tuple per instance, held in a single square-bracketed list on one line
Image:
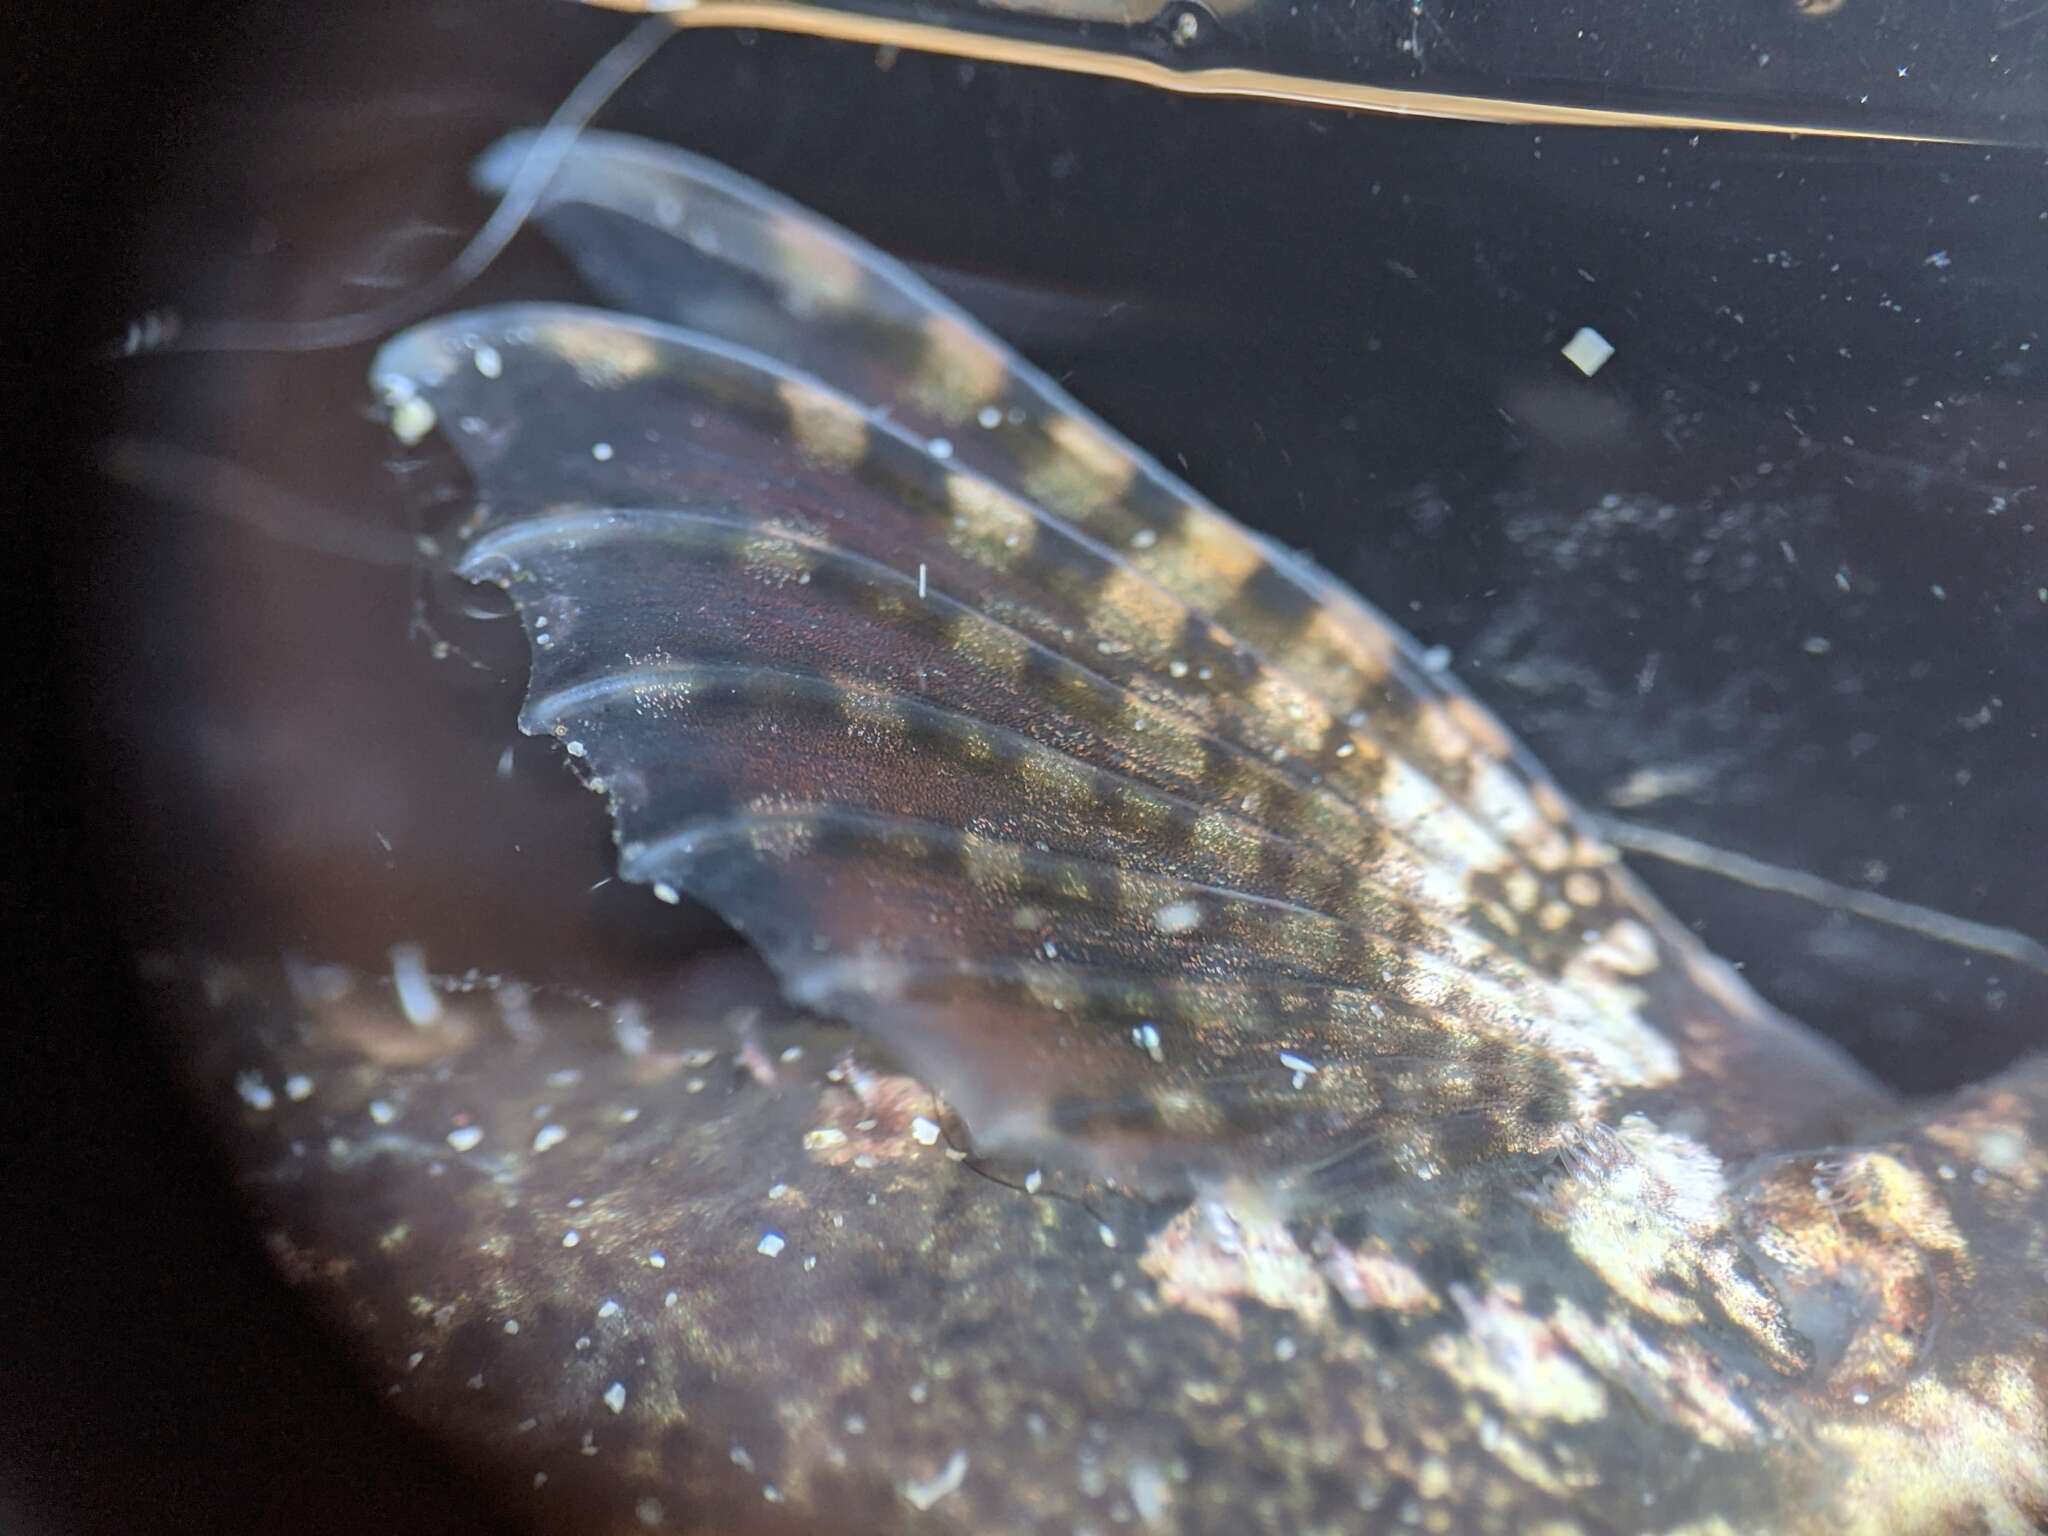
[(1152, 847), (1232, 1134)]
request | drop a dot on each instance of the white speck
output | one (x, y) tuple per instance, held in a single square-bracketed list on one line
[(411, 420), (770, 1245), (1588, 351), (1437, 658), (571, 1238), (417, 999), (777, 1191), (649, 1512), (1144, 538), (924, 1132), (1860, 1399), (791, 1053), (989, 416), (512, 1325), (549, 1135), (381, 1112), (1033, 1181), (1176, 668), (921, 583), (1147, 1038), (615, 1397), (540, 1480), (630, 1030), (854, 1424), (657, 1260), (609, 1308), (1938, 260), (823, 1137), (741, 1457), (668, 1301), (1107, 1233), (1149, 1491), (923, 1495), (254, 1091), (488, 362), (810, 1262), (1294, 1063), (663, 891), (941, 448), (601, 451), (1284, 1348), (1178, 917), (464, 1138), (298, 1087), (412, 1361), (505, 764)]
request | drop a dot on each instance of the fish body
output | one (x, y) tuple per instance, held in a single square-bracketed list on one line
[(1273, 1107)]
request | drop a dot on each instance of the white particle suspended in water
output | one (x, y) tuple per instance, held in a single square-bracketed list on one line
[(1294, 1063), (989, 416), (511, 1325), (663, 891), (924, 1132), (771, 1244), (1178, 917), (464, 1138), (571, 1238), (1146, 1036), (922, 1495), (1033, 1181), (657, 1260), (411, 421), (649, 1512), (417, 999), (601, 451), (298, 1087), (488, 362), (631, 1031), (615, 1397), (550, 1135), (1588, 351), (609, 1308), (941, 448), (381, 1112), (254, 1091), (1107, 1233)]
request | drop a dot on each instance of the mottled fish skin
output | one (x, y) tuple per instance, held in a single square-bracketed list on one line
[(1152, 847), (697, 1277)]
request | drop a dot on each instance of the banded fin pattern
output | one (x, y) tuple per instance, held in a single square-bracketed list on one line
[(1148, 844)]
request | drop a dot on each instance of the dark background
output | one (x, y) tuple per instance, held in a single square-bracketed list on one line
[(1771, 580)]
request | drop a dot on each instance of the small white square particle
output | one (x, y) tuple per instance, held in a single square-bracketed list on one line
[(770, 1245), (1588, 350)]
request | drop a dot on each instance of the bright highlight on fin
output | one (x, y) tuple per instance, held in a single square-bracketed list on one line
[(1154, 848)]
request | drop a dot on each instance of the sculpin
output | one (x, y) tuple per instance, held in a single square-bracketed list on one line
[(1272, 1107)]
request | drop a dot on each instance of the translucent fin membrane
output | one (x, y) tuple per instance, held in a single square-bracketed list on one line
[(1151, 847)]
